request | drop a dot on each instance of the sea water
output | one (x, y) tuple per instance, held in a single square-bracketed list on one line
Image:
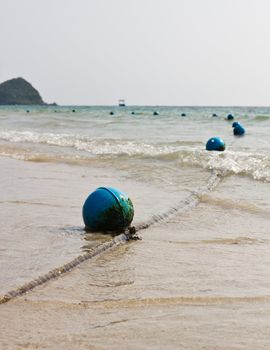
[(197, 280)]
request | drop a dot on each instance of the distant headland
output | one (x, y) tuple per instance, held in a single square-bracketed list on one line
[(19, 92)]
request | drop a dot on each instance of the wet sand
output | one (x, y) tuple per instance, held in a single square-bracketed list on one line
[(197, 281)]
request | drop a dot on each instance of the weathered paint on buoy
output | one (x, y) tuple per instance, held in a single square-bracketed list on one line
[(238, 130), (230, 117), (107, 209), (215, 144)]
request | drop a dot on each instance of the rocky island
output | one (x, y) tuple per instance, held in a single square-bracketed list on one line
[(19, 92)]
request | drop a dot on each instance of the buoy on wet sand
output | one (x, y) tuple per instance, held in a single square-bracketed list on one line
[(107, 209), (215, 144), (238, 130), (230, 117)]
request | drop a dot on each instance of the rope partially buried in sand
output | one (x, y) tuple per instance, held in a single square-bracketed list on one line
[(190, 202)]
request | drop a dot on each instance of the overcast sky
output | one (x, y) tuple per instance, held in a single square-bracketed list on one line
[(153, 52)]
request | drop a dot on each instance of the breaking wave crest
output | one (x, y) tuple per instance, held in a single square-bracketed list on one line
[(83, 148), (85, 143)]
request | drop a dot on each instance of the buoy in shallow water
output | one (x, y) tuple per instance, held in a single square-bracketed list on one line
[(155, 113), (230, 117), (107, 209), (238, 130), (111, 113), (214, 115), (215, 144), (183, 115)]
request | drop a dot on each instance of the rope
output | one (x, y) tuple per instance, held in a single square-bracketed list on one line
[(190, 202), (130, 233)]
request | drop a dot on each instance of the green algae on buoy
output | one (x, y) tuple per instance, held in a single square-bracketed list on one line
[(107, 209), (215, 144)]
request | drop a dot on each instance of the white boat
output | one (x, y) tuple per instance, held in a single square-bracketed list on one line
[(121, 103)]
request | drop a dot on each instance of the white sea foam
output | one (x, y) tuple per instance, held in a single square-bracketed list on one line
[(84, 143), (256, 165)]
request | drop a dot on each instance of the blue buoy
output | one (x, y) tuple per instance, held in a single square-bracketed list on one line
[(107, 209), (230, 117), (183, 115), (238, 130), (215, 144), (234, 124), (155, 113)]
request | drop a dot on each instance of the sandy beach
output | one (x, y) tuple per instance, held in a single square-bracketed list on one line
[(135, 173), (196, 281)]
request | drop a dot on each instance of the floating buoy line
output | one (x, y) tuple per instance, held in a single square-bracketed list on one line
[(129, 234)]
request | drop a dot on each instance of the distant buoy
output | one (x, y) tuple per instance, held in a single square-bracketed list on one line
[(215, 144), (27, 111), (183, 115), (155, 113), (111, 113), (107, 209), (239, 130), (73, 110), (230, 117), (234, 124), (214, 115), (133, 113)]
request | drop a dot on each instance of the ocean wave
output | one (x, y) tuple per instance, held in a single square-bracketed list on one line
[(180, 153), (95, 146), (261, 118), (255, 165), (252, 164)]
